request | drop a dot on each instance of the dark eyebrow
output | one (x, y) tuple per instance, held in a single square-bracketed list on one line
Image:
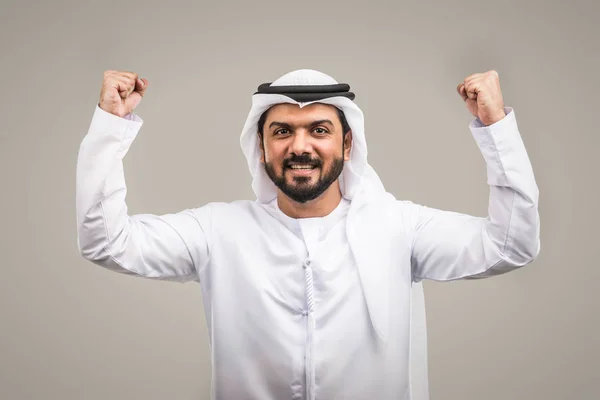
[(288, 126), (321, 122), (281, 124)]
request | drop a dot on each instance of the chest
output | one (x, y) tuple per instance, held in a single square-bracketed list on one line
[(291, 302), (276, 262)]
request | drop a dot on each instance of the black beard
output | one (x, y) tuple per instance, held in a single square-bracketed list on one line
[(302, 192)]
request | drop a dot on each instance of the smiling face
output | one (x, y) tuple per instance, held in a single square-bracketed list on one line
[(304, 149)]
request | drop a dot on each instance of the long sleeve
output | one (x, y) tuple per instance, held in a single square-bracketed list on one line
[(169, 247), (448, 245)]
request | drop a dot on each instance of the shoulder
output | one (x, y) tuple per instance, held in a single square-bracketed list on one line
[(219, 212), (393, 213), (389, 206), (409, 212)]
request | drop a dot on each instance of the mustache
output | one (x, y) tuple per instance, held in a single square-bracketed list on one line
[(302, 159)]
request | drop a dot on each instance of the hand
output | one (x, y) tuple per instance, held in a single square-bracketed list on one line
[(121, 92), (483, 96)]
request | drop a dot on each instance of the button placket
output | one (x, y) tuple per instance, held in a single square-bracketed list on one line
[(308, 276), (310, 327)]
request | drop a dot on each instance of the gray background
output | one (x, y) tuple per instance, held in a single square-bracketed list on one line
[(71, 330)]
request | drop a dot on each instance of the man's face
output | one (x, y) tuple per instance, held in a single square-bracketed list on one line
[(304, 149)]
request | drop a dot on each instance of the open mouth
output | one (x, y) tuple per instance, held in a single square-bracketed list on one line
[(302, 167)]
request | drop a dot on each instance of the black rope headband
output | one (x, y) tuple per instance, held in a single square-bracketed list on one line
[(304, 93)]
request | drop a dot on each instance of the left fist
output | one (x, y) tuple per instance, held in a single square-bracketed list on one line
[(483, 96)]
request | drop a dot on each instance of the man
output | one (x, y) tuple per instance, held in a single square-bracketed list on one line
[(307, 290)]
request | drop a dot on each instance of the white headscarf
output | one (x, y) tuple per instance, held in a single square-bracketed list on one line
[(358, 179), (356, 170)]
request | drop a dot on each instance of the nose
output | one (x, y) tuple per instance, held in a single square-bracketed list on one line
[(301, 143)]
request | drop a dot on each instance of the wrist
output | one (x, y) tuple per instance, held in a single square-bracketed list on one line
[(492, 119)]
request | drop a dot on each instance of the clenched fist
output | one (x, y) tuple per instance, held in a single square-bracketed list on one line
[(483, 96), (121, 92)]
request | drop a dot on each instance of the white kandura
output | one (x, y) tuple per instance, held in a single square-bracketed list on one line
[(312, 308)]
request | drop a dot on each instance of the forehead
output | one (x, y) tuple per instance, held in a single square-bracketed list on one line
[(292, 112)]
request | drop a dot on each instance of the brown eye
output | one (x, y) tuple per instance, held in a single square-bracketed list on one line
[(320, 130), (281, 131)]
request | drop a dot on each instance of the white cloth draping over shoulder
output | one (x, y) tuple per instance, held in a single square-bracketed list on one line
[(317, 308)]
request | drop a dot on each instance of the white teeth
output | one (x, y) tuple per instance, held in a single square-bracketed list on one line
[(301, 167)]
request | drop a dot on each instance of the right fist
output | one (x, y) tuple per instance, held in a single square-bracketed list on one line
[(121, 92)]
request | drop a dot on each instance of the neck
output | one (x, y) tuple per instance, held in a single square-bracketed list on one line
[(319, 207)]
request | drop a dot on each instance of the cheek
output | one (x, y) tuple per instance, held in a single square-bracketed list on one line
[(329, 151), (274, 154)]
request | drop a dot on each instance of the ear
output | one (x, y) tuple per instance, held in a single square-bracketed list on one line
[(347, 145), (261, 146)]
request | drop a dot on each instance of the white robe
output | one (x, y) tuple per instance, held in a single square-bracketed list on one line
[(337, 326)]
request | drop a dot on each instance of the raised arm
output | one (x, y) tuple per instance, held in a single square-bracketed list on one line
[(167, 247), (448, 245)]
